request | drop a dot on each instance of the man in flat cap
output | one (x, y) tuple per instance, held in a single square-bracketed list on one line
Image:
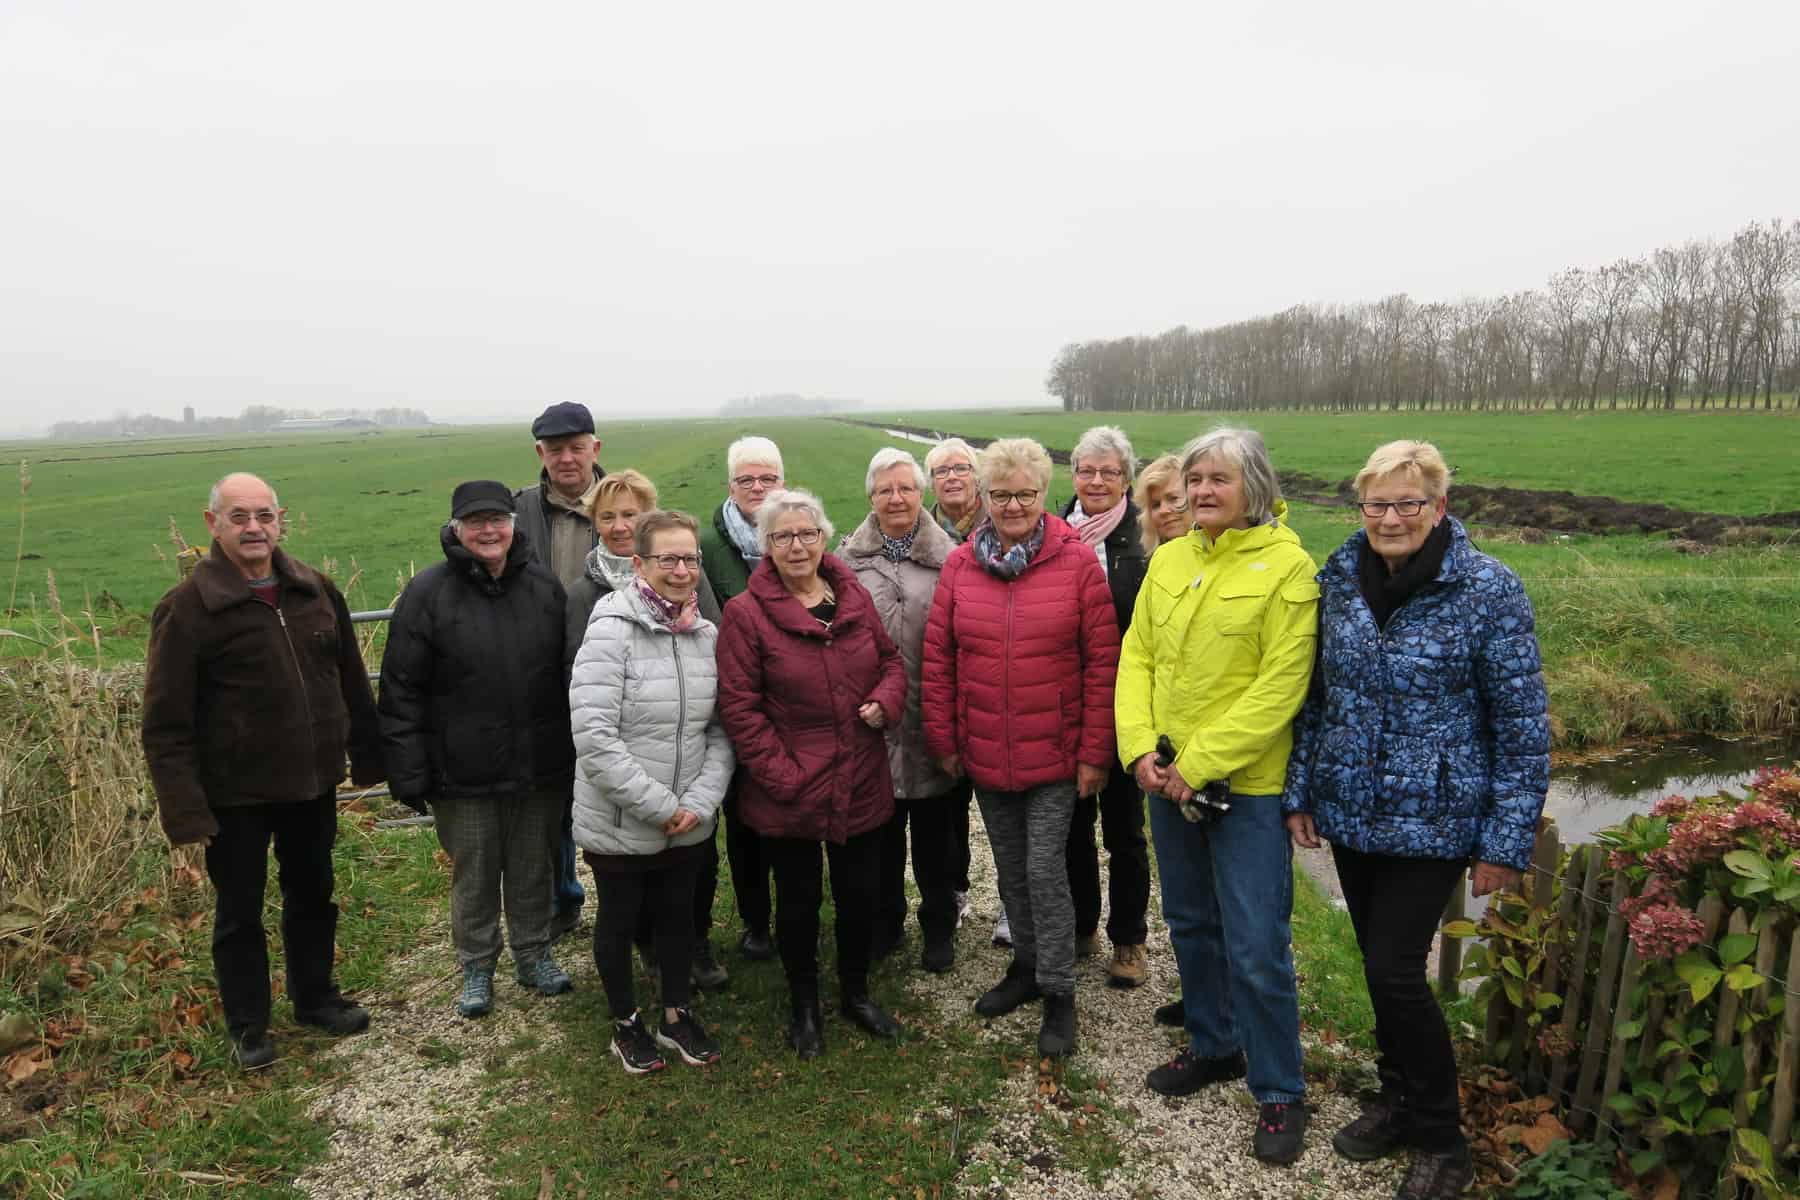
[(554, 517)]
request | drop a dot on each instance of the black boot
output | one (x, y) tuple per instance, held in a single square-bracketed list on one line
[(1018, 986), (861, 1010), (1056, 1035), (804, 1033)]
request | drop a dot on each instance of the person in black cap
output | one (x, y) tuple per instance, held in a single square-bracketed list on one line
[(554, 516), (475, 727)]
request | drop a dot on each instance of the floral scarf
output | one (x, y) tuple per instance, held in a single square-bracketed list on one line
[(676, 618), (743, 533), (609, 570), (1012, 563), (898, 550)]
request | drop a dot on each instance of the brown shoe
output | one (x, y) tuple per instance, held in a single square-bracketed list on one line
[(1130, 967)]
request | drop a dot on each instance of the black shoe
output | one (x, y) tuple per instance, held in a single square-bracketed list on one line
[(253, 1049), (804, 1034), (865, 1012), (1174, 1013), (938, 956), (708, 973), (1018, 986), (1280, 1132), (688, 1038), (1437, 1176), (884, 945), (336, 1016), (1187, 1073), (1056, 1033), (756, 946), (633, 1047), (1375, 1133)]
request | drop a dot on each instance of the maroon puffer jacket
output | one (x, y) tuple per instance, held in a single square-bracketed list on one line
[(1018, 676), (808, 767)]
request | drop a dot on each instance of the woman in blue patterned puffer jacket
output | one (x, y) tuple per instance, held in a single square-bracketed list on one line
[(1423, 746)]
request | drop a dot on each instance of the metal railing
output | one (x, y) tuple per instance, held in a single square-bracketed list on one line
[(380, 790)]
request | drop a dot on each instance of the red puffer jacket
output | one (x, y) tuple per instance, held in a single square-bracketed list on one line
[(808, 766), (1018, 675)]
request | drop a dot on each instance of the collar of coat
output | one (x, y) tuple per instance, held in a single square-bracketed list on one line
[(220, 585), (625, 604), (1459, 559), (467, 566), (930, 544), (1241, 541), (551, 496), (788, 614)]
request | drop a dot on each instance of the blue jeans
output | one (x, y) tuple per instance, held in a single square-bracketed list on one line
[(566, 892), (1228, 892)]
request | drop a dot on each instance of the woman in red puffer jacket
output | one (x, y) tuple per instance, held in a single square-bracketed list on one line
[(1017, 692)]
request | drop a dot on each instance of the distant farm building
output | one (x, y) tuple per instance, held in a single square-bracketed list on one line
[(304, 424)]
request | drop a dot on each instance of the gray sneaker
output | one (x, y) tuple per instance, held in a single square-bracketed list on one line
[(477, 998), (544, 975), (1438, 1176)]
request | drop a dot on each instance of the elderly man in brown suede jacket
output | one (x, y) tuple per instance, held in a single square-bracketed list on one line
[(254, 691)]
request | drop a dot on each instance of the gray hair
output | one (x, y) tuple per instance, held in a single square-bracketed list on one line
[(779, 504), (214, 498), (752, 450), (947, 447), (1243, 449), (1102, 440), (887, 458)]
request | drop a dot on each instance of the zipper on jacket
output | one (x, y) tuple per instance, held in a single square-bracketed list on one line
[(305, 698), (680, 717), (1006, 679)]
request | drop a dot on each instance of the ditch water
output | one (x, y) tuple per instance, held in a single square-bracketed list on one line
[(1588, 796)]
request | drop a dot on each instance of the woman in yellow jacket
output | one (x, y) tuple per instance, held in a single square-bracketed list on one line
[(1217, 660)]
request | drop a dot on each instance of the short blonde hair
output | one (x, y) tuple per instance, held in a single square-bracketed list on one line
[(1007, 455), (631, 482), (780, 504), (1416, 460), (1163, 472)]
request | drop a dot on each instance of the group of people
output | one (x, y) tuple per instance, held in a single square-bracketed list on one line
[(587, 670)]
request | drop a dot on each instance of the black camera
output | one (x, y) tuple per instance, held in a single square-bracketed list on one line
[(1210, 802)]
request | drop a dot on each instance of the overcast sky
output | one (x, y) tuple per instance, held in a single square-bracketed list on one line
[(479, 209)]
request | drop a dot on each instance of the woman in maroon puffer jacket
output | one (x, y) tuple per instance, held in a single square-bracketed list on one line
[(1017, 691), (808, 679)]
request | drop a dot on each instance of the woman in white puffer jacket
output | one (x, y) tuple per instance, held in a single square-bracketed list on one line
[(652, 763)]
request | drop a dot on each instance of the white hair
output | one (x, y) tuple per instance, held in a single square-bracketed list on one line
[(779, 504), (1243, 449), (752, 450), (887, 458), (947, 447), (1102, 440)]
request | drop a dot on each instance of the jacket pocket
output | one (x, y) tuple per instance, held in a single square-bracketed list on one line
[(1240, 607)]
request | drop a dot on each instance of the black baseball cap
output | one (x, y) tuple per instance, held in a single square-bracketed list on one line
[(561, 420), (480, 495)]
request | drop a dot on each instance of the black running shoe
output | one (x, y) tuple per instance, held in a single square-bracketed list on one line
[(633, 1047), (688, 1038)]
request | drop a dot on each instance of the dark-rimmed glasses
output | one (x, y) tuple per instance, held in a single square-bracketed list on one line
[(1377, 509), (787, 537)]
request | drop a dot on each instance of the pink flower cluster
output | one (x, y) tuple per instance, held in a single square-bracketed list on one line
[(1661, 931), (1702, 836)]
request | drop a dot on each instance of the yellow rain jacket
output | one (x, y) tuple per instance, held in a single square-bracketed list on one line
[(1219, 655)]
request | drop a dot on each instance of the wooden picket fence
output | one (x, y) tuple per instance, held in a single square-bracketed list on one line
[(1596, 972)]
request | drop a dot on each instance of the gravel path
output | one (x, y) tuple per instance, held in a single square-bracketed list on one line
[(415, 1082)]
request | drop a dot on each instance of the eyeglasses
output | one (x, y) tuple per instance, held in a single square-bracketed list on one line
[(487, 521), (894, 489), (749, 481), (668, 562), (1376, 509), (262, 516), (787, 537), (956, 469), (1089, 474), (1025, 499)]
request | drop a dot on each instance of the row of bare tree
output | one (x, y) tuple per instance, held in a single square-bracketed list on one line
[(1707, 323)]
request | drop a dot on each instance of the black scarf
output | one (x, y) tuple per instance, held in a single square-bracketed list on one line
[(1385, 593)]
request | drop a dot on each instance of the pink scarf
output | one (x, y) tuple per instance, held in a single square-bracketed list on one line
[(1094, 530), (677, 618)]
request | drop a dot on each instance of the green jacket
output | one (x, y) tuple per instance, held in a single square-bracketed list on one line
[(1219, 655), (725, 568)]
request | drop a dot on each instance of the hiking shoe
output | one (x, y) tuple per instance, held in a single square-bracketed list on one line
[(564, 922), (1375, 1133), (1130, 967), (1056, 1032), (688, 1038), (938, 956), (1174, 1013), (545, 976), (756, 946), (1002, 932), (477, 998), (1437, 1176), (1018, 986), (708, 973), (1087, 945), (962, 907), (633, 1047), (1280, 1132), (253, 1049), (1187, 1073), (336, 1016)]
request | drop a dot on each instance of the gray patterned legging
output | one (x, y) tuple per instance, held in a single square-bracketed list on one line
[(1029, 833)]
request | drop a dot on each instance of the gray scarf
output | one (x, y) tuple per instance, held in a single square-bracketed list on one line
[(743, 533), (610, 570)]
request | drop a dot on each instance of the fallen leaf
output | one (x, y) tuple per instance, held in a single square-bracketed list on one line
[(16, 1029), (26, 1063), (1539, 1137)]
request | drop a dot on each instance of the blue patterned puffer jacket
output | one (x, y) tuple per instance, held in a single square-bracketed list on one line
[(1430, 739)]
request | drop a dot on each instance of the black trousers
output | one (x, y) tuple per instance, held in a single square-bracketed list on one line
[(1395, 904), (935, 864), (237, 861), (1120, 809), (960, 801), (799, 890), (663, 899), (706, 890), (749, 867)]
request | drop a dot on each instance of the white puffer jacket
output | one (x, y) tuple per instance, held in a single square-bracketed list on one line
[(643, 705)]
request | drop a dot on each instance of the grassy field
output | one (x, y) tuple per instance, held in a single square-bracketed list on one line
[(1639, 638)]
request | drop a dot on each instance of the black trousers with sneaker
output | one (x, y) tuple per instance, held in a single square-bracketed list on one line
[(799, 890), (750, 864), (934, 861), (237, 861), (662, 895), (961, 799), (1395, 904), (1120, 809)]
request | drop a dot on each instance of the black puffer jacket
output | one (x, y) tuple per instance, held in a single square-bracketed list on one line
[(472, 696), (1126, 561)]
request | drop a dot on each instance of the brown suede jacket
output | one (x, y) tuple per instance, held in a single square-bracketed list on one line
[(247, 704)]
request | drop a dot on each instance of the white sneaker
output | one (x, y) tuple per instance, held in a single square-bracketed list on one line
[(1002, 932), (962, 907)]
